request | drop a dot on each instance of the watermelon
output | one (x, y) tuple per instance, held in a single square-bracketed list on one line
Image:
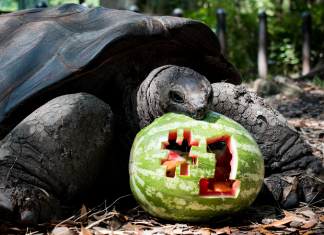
[(187, 170)]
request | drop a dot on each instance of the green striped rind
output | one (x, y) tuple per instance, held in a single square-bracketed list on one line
[(178, 198)]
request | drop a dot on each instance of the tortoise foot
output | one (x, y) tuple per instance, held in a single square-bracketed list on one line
[(54, 154), (6, 206), (292, 187), (26, 204)]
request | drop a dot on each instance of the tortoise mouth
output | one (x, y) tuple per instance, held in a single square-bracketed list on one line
[(200, 114)]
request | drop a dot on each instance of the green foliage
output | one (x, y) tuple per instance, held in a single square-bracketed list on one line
[(241, 32), (317, 81), (8, 5), (164, 7), (15, 5), (284, 32)]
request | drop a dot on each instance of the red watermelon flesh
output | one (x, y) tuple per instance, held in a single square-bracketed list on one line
[(221, 184)]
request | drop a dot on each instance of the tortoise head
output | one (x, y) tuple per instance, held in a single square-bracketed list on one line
[(173, 89)]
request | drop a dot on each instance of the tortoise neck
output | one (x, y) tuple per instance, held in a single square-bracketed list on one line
[(148, 106)]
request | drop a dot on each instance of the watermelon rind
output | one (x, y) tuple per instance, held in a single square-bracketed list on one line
[(177, 199)]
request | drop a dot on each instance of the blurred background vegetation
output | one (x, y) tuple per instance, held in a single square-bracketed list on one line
[(284, 32), (284, 28)]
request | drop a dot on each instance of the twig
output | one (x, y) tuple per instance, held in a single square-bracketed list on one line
[(64, 221), (110, 204), (315, 178), (11, 167), (312, 199), (132, 209), (97, 222), (304, 133), (317, 201)]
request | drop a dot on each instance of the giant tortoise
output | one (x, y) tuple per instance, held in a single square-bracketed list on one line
[(77, 84)]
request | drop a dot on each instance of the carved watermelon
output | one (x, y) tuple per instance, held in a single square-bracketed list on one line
[(182, 169)]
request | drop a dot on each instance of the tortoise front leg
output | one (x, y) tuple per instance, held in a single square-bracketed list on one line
[(53, 154), (282, 147)]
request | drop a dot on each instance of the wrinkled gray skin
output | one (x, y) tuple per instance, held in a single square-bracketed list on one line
[(53, 154), (58, 151), (284, 152)]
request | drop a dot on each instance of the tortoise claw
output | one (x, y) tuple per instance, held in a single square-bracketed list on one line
[(25, 205), (310, 197), (6, 206), (291, 201), (27, 218)]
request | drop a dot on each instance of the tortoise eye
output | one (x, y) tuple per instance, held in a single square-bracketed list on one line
[(177, 97)]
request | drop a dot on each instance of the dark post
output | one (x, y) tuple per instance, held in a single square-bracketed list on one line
[(22, 4), (263, 54), (307, 29), (221, 29), (177, 12)]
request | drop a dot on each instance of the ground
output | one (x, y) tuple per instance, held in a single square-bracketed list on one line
[(307, 115)]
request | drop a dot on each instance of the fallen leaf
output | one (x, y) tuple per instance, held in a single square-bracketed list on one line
[(4, 228), (132, 227), (309, 88), (101, 219), (225, 230), (5, 222), (188, 232), (307, 213), (308, 225), (85, 231), (298, 218), (102, 230), (97, 232), (152, 222), (308, 233), (138, 231), (286, 192), (83, 216), (309, 171), (178, 231), (295, 224), (25, 230), (204, 231), (274, 227), (109, 231), (117, 221), (278, 223), (291, 229), (289, 179), (321, 218), (262, 230), (288, 214), (67, 222), (63, 231), (268, 221)]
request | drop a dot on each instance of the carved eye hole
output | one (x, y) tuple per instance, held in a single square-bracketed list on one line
[(177, 97)]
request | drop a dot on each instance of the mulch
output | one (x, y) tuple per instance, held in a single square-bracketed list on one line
[(306, 115)]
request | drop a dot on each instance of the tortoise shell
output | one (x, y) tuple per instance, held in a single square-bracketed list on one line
[(48, 52)]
